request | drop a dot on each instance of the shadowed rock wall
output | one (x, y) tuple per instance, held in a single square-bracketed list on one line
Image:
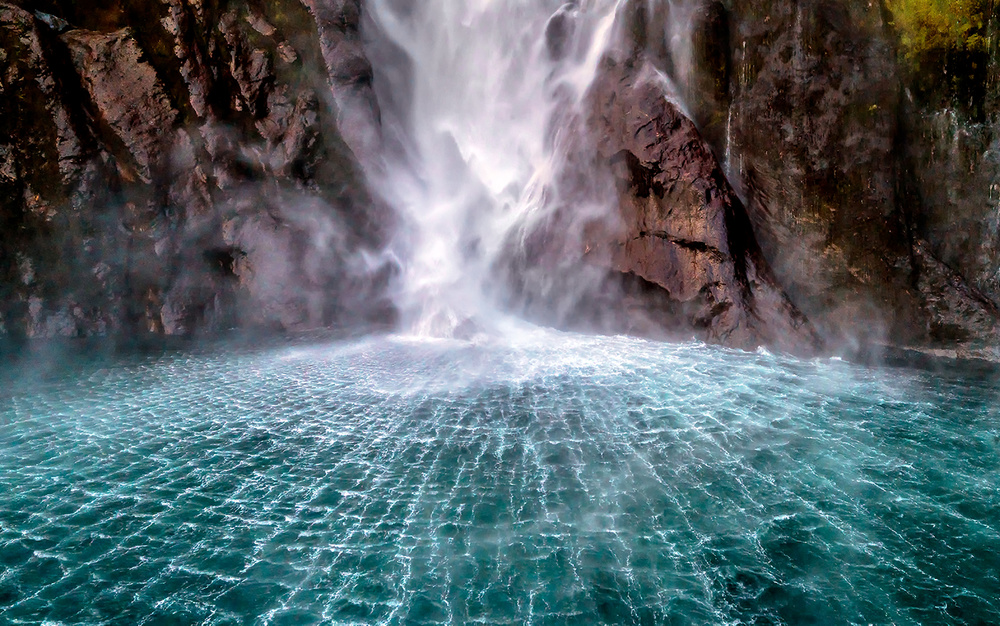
[(951, 120), (869, 170), (177, 167)]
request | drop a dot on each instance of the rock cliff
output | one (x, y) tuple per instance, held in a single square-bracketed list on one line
[(804, 148), (176, 167), (789, 172), (683, 229)]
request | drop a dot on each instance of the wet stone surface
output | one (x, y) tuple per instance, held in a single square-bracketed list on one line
[(554, 479)]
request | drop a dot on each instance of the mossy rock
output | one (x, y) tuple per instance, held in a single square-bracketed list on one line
[(948, 47), (928, 25)]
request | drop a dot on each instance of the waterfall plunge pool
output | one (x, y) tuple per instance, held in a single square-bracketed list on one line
[(546, 479)]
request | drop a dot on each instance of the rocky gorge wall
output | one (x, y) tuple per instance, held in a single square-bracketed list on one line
[(185, 166), (867, 170)]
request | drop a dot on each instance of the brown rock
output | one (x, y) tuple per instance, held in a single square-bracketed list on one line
[(127, 92), (683, 228), (163, 164), (957, 313)]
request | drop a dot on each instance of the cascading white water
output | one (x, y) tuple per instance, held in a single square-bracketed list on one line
[(475, 153), (482, 101)]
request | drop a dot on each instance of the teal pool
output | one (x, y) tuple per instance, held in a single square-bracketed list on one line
[(545, 479)]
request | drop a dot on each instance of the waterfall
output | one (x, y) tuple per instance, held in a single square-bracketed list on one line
[(470, 93), (482, 110)]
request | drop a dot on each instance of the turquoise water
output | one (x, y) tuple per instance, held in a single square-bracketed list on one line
[(551, 479)]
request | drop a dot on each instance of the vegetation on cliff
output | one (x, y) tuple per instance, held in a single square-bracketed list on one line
[(928, 25), (946, 46)]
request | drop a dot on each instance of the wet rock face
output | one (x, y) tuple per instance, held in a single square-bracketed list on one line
[(846, 157), (876, 208), (812, 144), (956, 173), (676, 255), (126, 93), (957, 312), (952, 126), (683, 229), (175, 167)]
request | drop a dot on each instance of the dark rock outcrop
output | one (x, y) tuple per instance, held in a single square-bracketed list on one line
[(812, 145), (171, 167), (957, 312), (683, 229), (955, 167), (871, 186), (679, 255), (951, 121)]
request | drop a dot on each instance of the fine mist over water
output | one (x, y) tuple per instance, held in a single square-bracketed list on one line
[(482, 104)]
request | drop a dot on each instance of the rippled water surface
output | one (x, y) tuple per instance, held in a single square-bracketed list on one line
[(557, 479)]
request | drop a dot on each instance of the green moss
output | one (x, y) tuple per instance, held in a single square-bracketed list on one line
[(946, 48), (928, 25)]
